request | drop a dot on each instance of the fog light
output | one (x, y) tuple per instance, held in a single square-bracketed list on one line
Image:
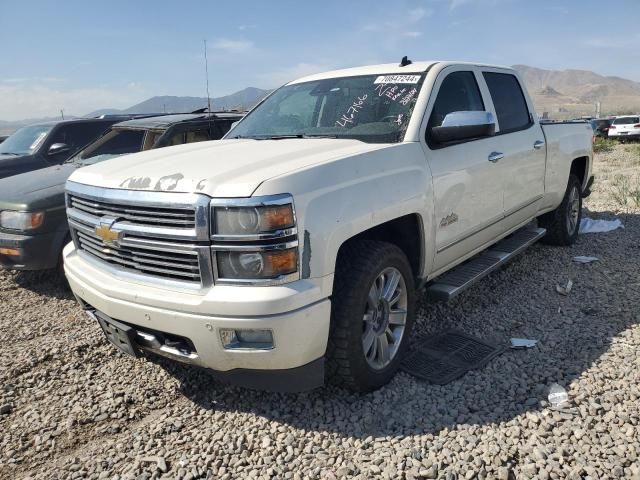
[(246, 339), (12, 252)]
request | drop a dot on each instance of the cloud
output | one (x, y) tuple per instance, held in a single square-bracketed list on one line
[(453, 4), (396, 26), (30, 101), (282, 76), (617, 41), (232, 46), (246, 27), (418, 14)]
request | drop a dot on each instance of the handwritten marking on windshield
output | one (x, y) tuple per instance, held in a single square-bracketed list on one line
[(352, 111), (393, 92)]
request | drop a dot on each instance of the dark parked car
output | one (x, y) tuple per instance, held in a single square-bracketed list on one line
[(155, 132), (33, 223), (46, 144), (3, 138), (601, 127)]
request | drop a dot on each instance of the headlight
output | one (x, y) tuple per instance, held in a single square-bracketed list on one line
[(268, 264), (21, 220), (253, 220), (255, 240)]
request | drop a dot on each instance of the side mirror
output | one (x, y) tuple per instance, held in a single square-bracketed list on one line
[(458, 126), (58, 148)]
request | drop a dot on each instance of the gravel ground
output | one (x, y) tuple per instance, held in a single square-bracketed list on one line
[(72, 407)]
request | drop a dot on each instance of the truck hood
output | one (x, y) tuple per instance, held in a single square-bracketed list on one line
[(35, 190), (222, 168)]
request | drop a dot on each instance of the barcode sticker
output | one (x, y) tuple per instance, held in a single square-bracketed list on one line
[(397, 79)]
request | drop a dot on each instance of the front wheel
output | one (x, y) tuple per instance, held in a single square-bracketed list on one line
[(373, 311), (563, 223)]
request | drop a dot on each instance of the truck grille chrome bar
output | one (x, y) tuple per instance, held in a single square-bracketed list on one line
[(156, 237)]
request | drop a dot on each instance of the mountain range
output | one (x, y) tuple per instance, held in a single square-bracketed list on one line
[(561, 93), (242, 100), (569, 93)]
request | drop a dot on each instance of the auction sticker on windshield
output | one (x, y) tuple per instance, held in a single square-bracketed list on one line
[(36, 143), (397, 79)]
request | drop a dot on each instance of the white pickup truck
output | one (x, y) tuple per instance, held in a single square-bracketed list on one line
[(292, 251)]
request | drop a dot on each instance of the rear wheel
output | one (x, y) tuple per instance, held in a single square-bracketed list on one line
[(563, 223), (373, 310)]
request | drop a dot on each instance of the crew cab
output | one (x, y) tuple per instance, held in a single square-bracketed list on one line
[(33, 224), (292, 251)]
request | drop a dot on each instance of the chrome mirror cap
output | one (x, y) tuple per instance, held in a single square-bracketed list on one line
[(467, 119)]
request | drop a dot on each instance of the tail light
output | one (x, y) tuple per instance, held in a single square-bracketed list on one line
[(637, 125), (612, 127)]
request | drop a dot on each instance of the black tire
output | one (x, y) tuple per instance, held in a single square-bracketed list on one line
[(360, 264), (559, 231)]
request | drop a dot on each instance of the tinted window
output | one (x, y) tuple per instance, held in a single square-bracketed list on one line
[(116, 142), (459, 92), (77, 135), (626, 120), (508, 100)]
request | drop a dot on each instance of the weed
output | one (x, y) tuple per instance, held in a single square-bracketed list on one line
[(603, 145), (625, 192)]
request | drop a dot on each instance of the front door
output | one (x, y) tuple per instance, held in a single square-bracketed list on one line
[(467, 185)]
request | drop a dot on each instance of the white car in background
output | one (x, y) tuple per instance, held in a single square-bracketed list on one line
[(626, 126)]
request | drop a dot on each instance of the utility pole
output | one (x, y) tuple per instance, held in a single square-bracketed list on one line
[(62, 113)]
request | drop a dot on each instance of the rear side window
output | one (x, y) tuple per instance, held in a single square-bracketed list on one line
[(626, 120), (508, 100), (116, 142), (458, 92)]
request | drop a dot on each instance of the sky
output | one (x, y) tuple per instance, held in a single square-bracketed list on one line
[(84, 55)]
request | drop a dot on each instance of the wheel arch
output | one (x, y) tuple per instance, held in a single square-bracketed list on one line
[(406, 232)]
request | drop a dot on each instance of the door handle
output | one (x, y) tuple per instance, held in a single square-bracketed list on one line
[(495, 156), (538, 144)]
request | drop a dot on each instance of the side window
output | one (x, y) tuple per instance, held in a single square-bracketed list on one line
[(508, 100), (78, 135), (458, 92)]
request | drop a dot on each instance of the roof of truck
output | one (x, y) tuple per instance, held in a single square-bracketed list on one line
[(387, 68), (165, 121)]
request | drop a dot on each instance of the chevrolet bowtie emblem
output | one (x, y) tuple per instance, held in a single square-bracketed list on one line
[(107, 233)]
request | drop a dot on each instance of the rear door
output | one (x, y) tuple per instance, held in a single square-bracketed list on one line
[(520, 139), (467, 186)]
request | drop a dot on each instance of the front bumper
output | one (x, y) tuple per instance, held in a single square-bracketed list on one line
[(34, 252), (297, 314)]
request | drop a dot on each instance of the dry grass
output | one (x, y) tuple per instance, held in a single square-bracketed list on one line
[(617, 184)]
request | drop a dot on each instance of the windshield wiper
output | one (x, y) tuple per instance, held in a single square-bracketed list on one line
[(10, 153), (293, 135)]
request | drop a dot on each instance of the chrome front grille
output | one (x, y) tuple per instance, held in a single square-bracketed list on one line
[(153, 216), (179, 266), (160, 237)]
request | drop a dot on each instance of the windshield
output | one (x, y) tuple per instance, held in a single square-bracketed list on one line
[(626, 120), (25, 140), (370, 108), (115, 143)]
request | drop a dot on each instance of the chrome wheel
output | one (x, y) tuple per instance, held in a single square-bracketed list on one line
[(385, 318), (573, 210)]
